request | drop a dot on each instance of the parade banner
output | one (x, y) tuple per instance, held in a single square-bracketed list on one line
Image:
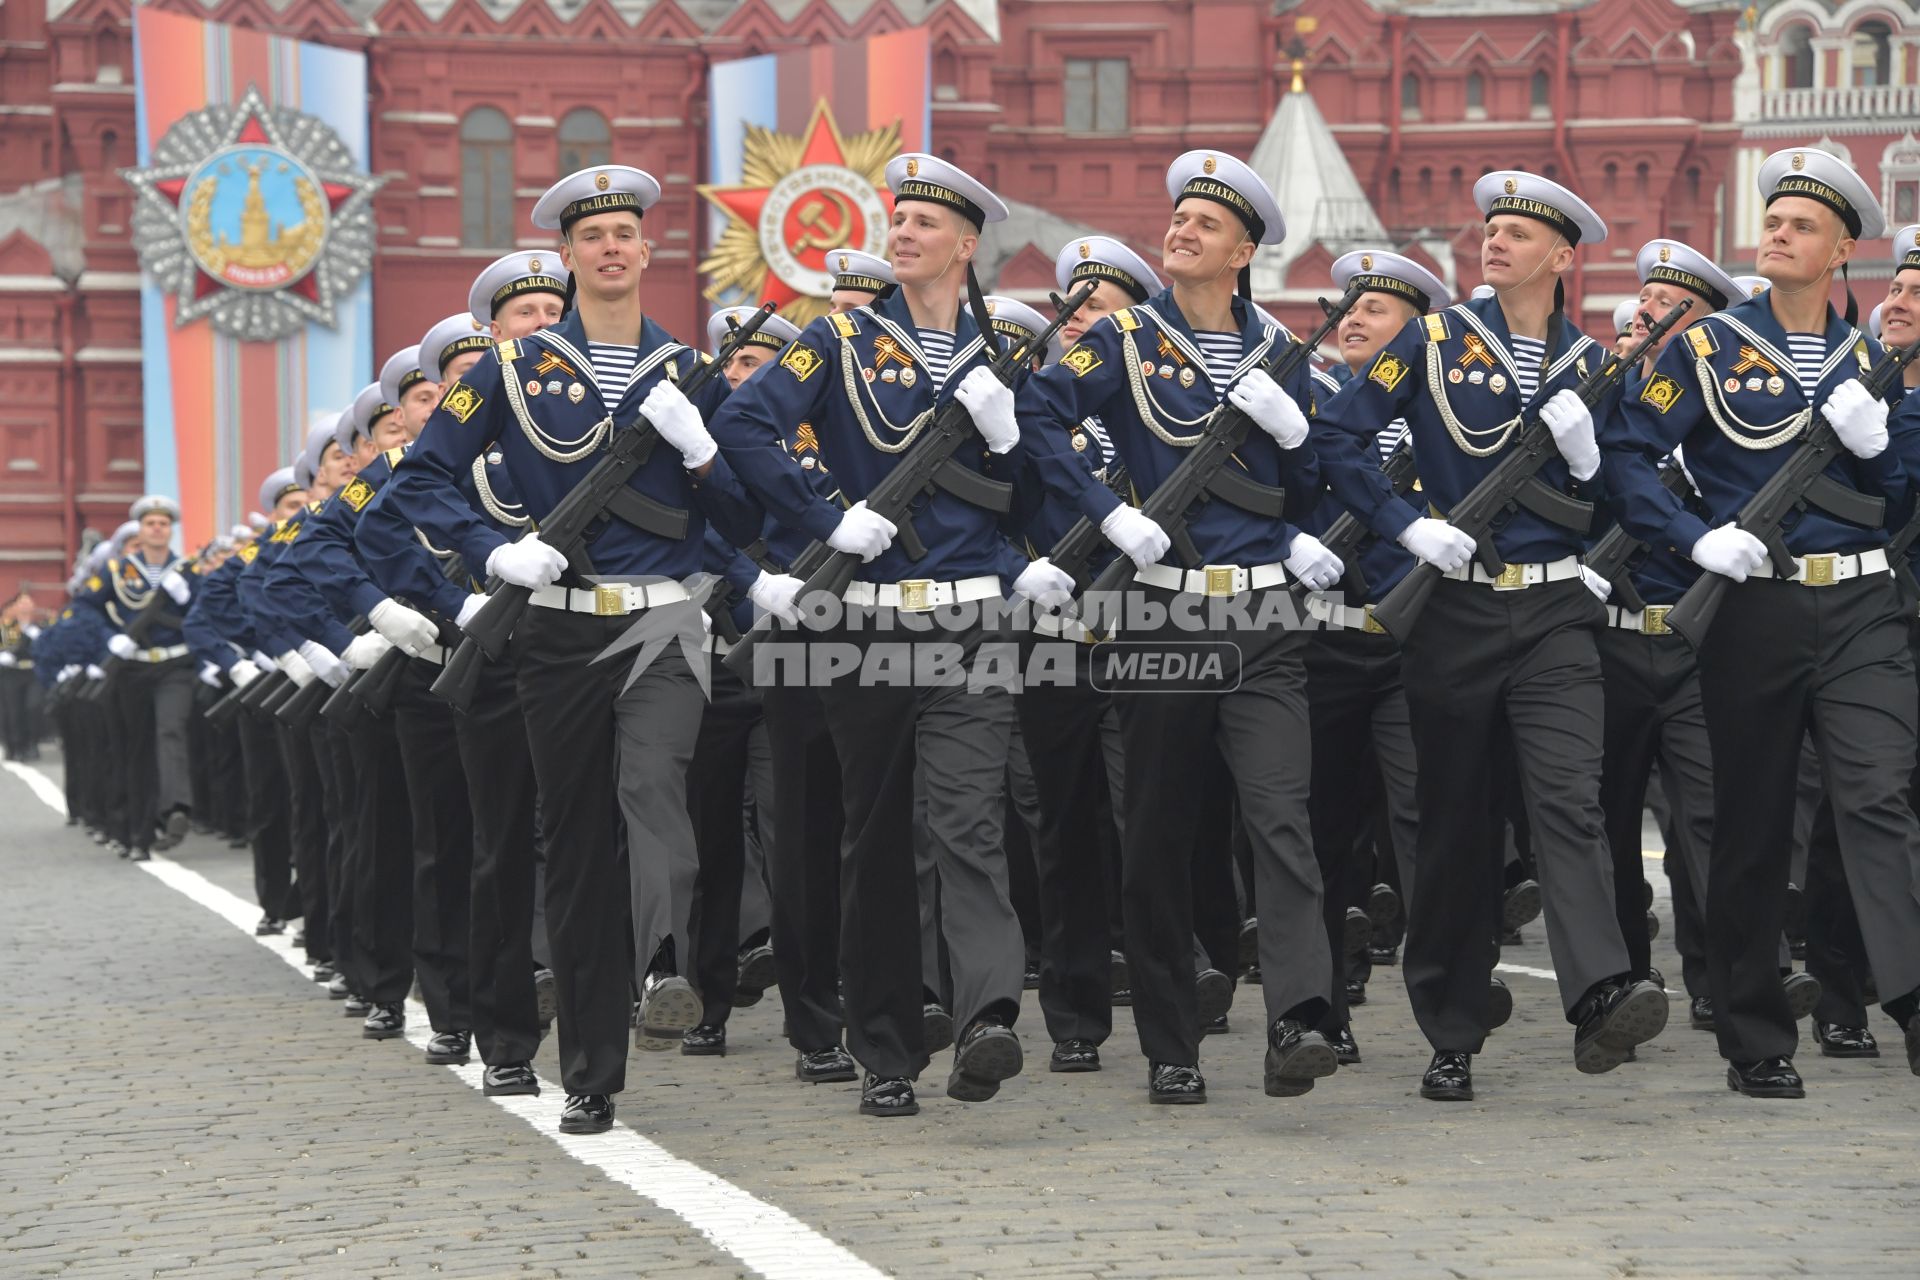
[(253, 221), (798, 150)]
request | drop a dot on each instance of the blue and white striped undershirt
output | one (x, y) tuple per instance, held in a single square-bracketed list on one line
[(1528, 355), (937, 346), (1809, 352), (613, 364), (1222, 352)]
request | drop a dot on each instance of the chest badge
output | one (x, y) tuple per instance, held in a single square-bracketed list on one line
[(533, 386), (1186, 377), (1474, 351), (908, 377), (1455, 376), (1497, 383), (889, 375), (1166, 371), (1477, 377), (1755, 383), (553, 387), (576, 393), (1079, 442), (1733, 384), (1776, 385)]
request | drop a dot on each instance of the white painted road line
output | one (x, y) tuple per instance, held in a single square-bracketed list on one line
[(762, 1236)]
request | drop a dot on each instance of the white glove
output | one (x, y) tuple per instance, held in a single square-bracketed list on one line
[(526, 563), (94, 671), (1729, 551), (67, 673), (295, 668), (1137, 536), (1045, 583), (1309, 560), (33, 632), (989, 402), (263, 662), (366, 650), (210, 675), (324, 664), (862, 532), (1859, 418), (409, 629), (468, 607), (1600, 587), (243, 673), (1572, 426), (8, 660), (678, 423), (1259, 397), (775, 593), (1438, 543), (176, 586), (122, 646)]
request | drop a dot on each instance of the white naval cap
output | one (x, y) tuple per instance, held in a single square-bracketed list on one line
[(774, 334), (522, 271), (276, 486), (1623, 317), (1670, 262), (1873, 321), (369, 407), (401, 374), (1827, 179), (1013, 318), (1752, 286), (919, 176), (1542, 199), (259, 521), (1382, 272), (1104, 258), (244, 532), (457, 334), (1217, 176), (144, 507), (605, 188), (308, 463), (1906, 249), (863, 272)]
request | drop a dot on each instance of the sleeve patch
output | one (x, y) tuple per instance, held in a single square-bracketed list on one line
[(1389, 370), (801, 362), (462, 401), (1083, 359), (1702, 340), (357, 494), (1661, 392), (248, 552)]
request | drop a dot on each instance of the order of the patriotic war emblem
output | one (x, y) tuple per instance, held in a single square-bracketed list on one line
[(255, 218)]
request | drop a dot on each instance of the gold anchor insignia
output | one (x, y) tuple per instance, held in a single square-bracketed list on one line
[(913, 168), (1666, 254), (1799, 162), (533, 264), (1086, 250), (1210, 165), (1512, 186), (601, 181), (1366, 262)]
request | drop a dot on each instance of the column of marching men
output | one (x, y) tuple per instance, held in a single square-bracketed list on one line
[(604, 825)]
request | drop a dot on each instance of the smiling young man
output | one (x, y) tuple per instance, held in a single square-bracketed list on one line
[(1499, 657), (600, 732), (863, 380), (1823, 651), (1153, 373)]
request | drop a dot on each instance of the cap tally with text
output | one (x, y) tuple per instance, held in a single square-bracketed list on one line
[(1217, 176), (605, 188), (774, 334), (456, 335), (1104, 258), (860, 272), (507, 277), (1542, 199), (1906, 249), (918, 176), (1381, 272), (1013, 318), (1670, 262), (1828, 180)]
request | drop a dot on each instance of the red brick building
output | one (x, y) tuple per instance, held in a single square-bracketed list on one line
[(1071, 108)]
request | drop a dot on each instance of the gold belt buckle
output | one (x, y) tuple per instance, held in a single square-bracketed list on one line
[(916, 595), (1653, 622), (609, 600), (1818, 571), (1219, 579), (1369, 626), (1511, 578)]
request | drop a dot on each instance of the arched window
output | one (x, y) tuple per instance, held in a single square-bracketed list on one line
[(1796, 57), (1476, 96), (1409, 97), (1872, 54), (486, 180), (1612, 172), (1393, 188), (1642, 174), (1426, 185), (1900, 176), (109, 149), (584, 140), (1693, 185), (1538, 94)]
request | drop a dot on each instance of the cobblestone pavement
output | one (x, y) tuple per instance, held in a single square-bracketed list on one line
[(180, 1101)]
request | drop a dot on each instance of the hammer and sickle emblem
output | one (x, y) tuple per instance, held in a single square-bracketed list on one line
[(821, 233)]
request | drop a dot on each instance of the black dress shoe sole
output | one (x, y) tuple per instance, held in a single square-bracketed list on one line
[(1292, 1072), (883, 1112), (1499, 1006), (448, 1059), (585, 1125), (355, 1009), (832, 1075), (667, 1013), (1357, 994), (1383, 910), (938, 1030), (1447, 1092), (1913, 1047), (1700, 1024), (382, 1033), (1803, 994), (756, 975), (1213, 994), (703, 1050), (1176, 1099), (1634, 1021), (530, 1089), (1520, 907), (1357, 933), (980, 1066), (1763, 1090), (1850, 1051), (1073, 1066)]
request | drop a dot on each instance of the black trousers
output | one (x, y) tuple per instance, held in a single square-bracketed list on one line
[(1485, 668), (882, 733), (1653, 716), (1173, 744), (1836, 954), (597, 747), (1358, 711), (442, 845), (273, 777), (501, 796), (716, 800), (1077, 876), (154, 701), (16, 712), (803, 865), (226, 775), (379, 863), (1781, 660), (333, 756)]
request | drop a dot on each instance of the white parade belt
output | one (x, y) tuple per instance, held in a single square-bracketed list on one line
[(1823, 570), (1517, 577), (1338, 614), (168, 653), (917, 595), (609, 599), (1213, 579)]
